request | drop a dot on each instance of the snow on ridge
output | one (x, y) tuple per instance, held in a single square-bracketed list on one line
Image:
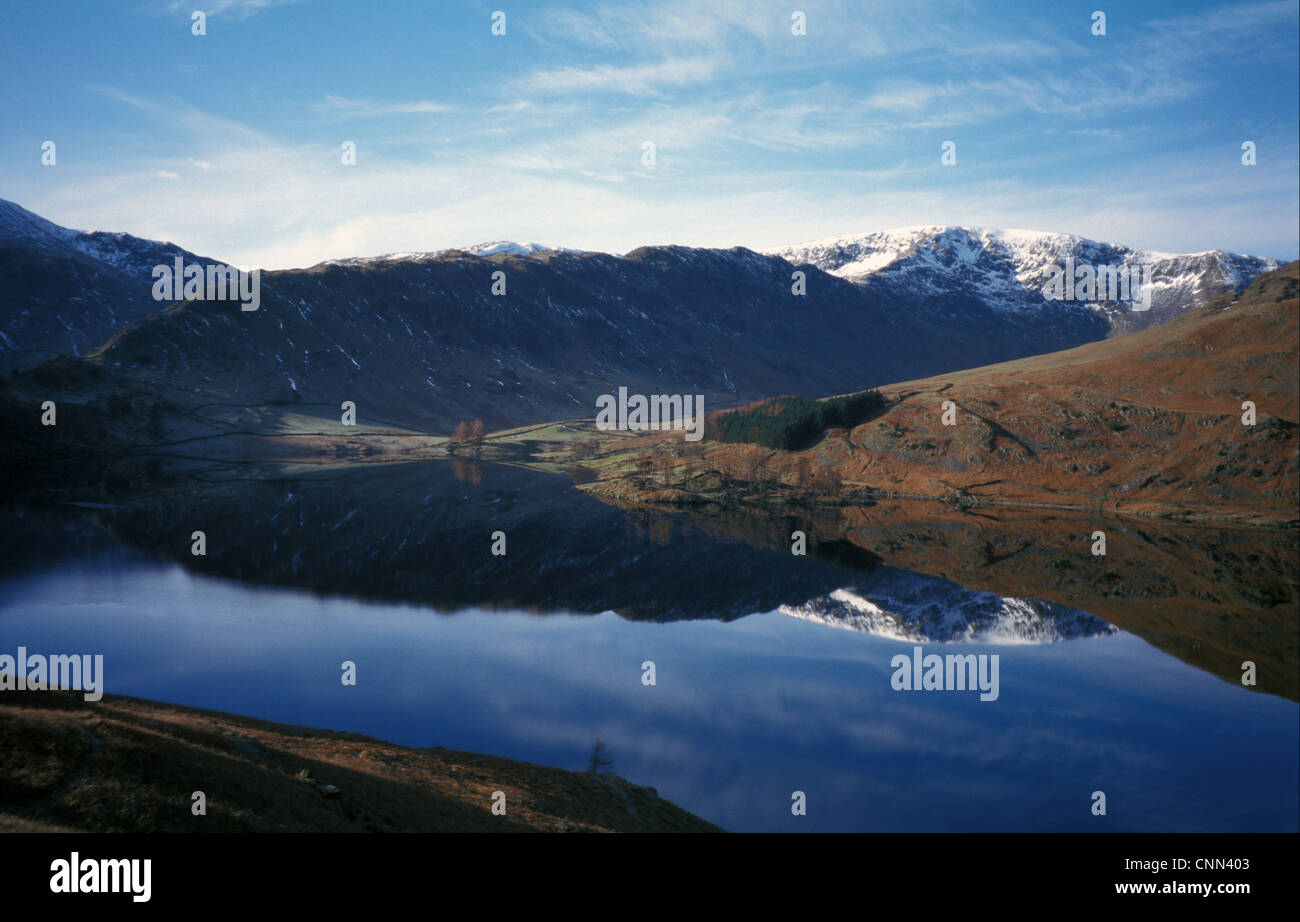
[(854, 256), (123, 251), (16, 221), (1007, 267), (518, 248), (489, 248), (881, 248)]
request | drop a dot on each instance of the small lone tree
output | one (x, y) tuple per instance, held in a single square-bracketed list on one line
[(802, 471), (664, 462), (829, 480), (599, 758)]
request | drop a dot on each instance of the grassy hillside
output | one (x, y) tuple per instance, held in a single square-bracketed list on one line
[(126, 765), (1145, 424)]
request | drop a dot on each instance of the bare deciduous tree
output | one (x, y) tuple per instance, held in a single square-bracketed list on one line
[(599, 758), (664, 462), (802, 471), (829, 480)]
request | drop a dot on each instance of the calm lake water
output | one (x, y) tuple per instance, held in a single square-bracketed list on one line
[(750, 704)]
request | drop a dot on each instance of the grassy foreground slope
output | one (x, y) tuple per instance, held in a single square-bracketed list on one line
[(127, 765)]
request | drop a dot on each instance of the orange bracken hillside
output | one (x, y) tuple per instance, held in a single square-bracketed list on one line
[(1149, 423)]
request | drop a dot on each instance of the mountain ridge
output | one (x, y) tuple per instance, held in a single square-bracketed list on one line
[(426, 340), (1007, 268)]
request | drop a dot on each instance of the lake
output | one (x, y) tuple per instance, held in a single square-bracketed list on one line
[(772, 671)]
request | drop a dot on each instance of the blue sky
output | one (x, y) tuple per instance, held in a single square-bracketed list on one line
[(229, 143)]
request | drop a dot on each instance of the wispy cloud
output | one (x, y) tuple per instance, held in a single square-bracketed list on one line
[(636, 80), (673, 24), (762, 137), (180, 115), (343, 107), (235, 9)]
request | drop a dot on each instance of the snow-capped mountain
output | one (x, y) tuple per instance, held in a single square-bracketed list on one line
[(931, 266), (491, 248), (512, 247), (16, 222), (64, 291), (903, 605), (136, 256), (424, 339)]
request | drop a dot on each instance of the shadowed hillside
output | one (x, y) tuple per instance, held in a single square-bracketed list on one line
[(127, 765)]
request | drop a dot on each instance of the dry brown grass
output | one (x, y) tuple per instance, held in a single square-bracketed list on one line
[(127, 765)]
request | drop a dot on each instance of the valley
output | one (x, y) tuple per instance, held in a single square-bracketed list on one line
[(362, 437)]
